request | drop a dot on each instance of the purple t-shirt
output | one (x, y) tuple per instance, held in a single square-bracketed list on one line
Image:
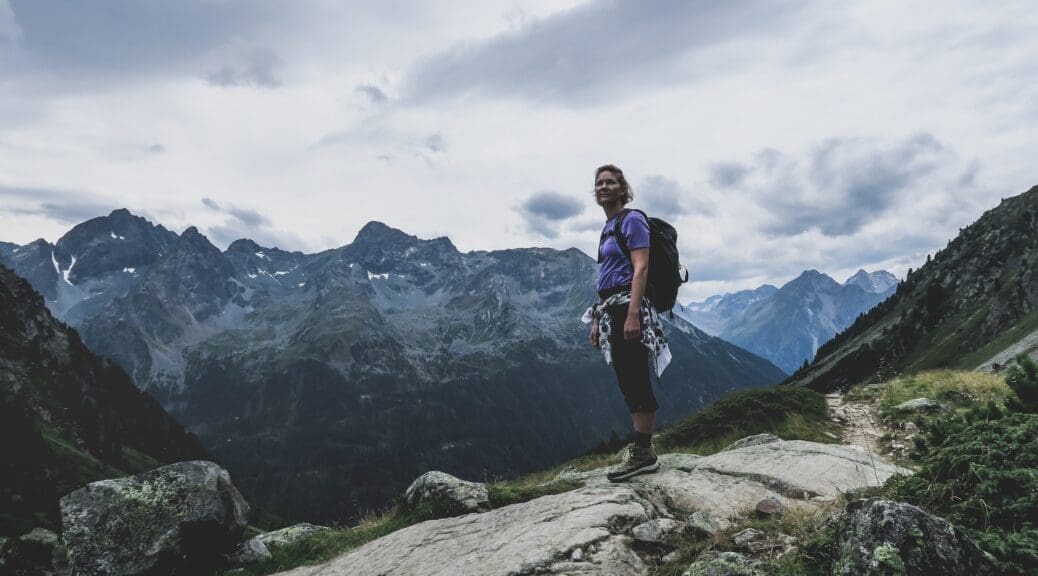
[(615, 269)]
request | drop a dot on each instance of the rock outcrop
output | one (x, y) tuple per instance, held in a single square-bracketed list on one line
[(278, 538), (725, 564), (603, 528), (446, 495), (922, 405), (258, 548), (883, 538), (178, 517)]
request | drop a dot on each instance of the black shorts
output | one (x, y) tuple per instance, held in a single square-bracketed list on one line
[(634, 371)]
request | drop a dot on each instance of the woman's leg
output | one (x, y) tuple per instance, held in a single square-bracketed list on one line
[(632, 367), (643, 421)]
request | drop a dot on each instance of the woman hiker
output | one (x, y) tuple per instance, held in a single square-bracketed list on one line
[(624, 325)]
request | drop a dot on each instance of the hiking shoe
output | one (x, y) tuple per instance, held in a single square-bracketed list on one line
[(636, 461)]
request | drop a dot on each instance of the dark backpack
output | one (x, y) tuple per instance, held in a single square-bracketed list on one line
[(666, 274)]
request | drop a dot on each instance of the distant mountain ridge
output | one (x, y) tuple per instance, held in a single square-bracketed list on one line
[(787, 325), (975, 298), (391, 353)]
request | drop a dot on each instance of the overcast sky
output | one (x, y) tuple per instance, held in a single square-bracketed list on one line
[(777, 136)]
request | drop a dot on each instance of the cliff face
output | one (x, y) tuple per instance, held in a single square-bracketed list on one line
[(69, 417)]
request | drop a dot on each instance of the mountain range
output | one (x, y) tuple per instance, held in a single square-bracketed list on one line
[(787, 325), (350, 371)]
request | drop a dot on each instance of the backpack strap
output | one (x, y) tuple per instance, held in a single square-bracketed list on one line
[(621, 242)]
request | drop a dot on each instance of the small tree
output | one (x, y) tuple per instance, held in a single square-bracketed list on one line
[(1022, 377)]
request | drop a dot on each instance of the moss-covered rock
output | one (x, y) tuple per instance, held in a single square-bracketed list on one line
[(725, 564), (184, 516), (883, 538), (278, 538)]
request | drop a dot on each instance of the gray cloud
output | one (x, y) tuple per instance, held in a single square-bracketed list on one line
[(253, 68), (112, 38), (779, 261), (552, 205), (245, 216), (544, 212), (63, 206), (727, 175), (598, 50), (373, 93), (435, 142), (844, 184)]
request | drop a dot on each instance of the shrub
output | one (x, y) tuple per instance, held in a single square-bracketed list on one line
[(985, 479), (1022, 377)]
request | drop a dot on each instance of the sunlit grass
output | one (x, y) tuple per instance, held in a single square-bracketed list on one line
[(953, 387)]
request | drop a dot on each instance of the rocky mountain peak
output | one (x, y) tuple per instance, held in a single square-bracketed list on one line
[(110, 244), (376, 231), (811, 280), (194, 244), (244, 245), (875, 282)]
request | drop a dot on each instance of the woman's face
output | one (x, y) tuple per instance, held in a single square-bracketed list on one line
[(607, 188)]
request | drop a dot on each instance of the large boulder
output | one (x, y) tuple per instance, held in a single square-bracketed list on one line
[(180, 518), (446, 495), (883, 538)]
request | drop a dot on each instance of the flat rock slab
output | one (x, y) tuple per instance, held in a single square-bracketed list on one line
[(722, 497), (803, 470), (534, 537)]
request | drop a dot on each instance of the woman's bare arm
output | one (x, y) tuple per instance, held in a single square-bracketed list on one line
[(640, 264)]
